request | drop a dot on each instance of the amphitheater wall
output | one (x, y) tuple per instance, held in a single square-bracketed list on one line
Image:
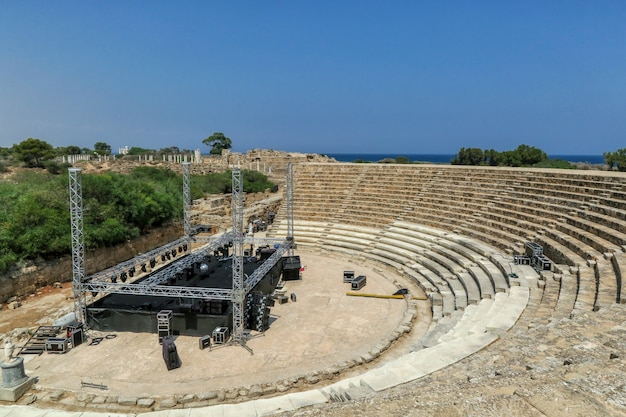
[(26, 278)]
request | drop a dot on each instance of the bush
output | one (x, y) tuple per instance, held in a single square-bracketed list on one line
[(35, 216), (55, 168), (555, 163)]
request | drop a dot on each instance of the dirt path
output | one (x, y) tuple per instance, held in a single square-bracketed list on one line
[(37, 308)]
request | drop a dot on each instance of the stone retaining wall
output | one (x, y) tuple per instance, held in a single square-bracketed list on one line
[(24, 279)]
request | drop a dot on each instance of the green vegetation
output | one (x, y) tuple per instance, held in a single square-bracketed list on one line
[(218, 142), (33, 152), (102, 148), (522, 156), (616, 159), (35, 218)]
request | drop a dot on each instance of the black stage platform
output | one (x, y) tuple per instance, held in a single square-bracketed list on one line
[(191, 317)]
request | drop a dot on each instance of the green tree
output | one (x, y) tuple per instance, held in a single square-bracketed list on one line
[(609, 160), (5, 152), (68, 150), (491, 157), (172, 150), (102, 148), (468, 156), (218, 142), (616, 158), (140, 151), (33, 152), (529, 155)]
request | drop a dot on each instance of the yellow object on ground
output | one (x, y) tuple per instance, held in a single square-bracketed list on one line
[(399, 296)]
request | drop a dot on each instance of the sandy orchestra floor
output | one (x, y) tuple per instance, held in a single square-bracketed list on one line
[(323, 327)]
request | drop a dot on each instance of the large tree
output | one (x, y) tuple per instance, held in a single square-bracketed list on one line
[(218, 142), (33, 152), (102, 148)]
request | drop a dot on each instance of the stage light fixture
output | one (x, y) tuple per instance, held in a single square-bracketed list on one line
[(185, 247), (180, 249), (163, 258), (152, 262), (174, 252), (123, 276), (131, 271), (167, 255), (143, 267), (114, 279)]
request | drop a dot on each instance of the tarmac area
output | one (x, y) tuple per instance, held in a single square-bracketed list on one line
[(322, 328)]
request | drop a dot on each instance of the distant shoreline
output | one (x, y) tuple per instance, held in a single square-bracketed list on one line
[(445, 158)]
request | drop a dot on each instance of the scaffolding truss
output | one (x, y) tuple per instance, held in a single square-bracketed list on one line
[(106, 281), (78, 242), (237, 258), (186, 199), (290, 208)]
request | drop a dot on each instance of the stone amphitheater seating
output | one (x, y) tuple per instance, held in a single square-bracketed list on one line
[(453, 230)]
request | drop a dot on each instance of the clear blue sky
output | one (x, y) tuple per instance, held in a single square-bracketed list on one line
[(316, 76)]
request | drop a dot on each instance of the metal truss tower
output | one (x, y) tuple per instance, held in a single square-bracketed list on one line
[(238, 295), (106, 282), (186, 200), (290, 237), (78, 243)]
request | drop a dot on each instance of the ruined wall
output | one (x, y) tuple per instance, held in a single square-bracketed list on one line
[(216, 211), (25, 279), (270, 162)]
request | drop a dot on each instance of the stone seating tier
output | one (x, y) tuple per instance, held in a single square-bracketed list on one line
[(579, 217)]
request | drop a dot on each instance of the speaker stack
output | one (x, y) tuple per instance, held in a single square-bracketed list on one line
[(257, 312)]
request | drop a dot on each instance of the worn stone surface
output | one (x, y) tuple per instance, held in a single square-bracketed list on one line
[(187, 398), (145, 402), (129, 401), (167, 402)]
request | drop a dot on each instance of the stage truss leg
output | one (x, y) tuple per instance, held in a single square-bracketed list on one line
[(78, 243), (290, 237), (238, 294), (186, 200)]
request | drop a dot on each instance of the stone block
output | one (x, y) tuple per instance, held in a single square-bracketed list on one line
[(187, 399), (168, 403), (312, 379), (56, 395), (208, 395), (14, 393), (255, 391), (145, 402), (269, 390), (129, 401)]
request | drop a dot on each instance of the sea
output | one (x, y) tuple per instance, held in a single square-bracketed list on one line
[(444, 158)]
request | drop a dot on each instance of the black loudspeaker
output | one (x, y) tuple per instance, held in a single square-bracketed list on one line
[(291, 274), (291, 268), (77, 337), (170, 354)]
